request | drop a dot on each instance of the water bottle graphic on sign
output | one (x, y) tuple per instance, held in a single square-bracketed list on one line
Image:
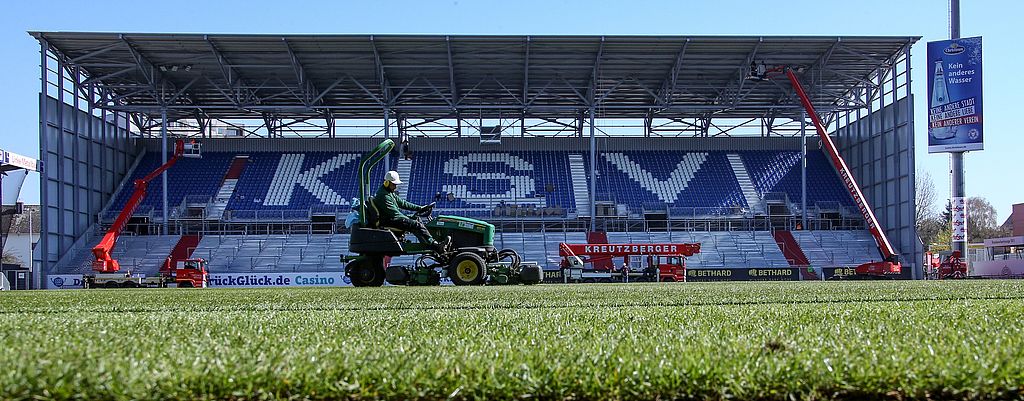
[(940, 96)]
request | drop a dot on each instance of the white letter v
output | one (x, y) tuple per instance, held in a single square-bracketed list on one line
[(668, 190)]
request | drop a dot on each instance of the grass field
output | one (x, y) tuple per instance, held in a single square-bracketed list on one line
[(856, 340)]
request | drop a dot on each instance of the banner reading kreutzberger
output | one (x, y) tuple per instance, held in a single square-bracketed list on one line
[(954, 95)]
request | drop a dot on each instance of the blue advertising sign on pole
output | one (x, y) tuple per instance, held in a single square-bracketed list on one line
[(954, 96)]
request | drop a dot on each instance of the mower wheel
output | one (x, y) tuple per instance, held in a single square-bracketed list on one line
[(366, 272), (467, 268)]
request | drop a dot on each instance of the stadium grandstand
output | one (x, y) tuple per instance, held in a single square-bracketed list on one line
[(648, 138)]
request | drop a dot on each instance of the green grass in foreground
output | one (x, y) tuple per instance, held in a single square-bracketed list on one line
[(897, 340)]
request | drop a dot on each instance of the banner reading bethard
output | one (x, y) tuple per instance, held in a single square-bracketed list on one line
[(954, 93), (765, 274)]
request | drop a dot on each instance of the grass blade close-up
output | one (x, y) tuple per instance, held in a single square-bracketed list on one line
[(893, 340)]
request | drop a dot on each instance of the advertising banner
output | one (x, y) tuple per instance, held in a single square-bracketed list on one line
[(1007, 241), (766, 274), (63, 281), (17, 160), (998, 268), (829, 273), (954, 93), (959, 216), (239, 280), (846, 272), (553, 276), (251, 280)]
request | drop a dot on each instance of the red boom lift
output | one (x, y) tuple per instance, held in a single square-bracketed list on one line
[(665, 262), (183, 273), (890, 263)]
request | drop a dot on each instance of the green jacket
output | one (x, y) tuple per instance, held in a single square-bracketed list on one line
[(389, 205)]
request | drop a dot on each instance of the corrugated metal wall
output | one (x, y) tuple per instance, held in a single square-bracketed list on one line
[(879, 148), (84, 160)]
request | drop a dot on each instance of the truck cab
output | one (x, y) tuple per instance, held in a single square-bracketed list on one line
[(189, 273), (671, 268)]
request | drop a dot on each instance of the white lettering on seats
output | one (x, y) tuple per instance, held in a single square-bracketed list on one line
[(521, 187), (667, 190), (289, 173)]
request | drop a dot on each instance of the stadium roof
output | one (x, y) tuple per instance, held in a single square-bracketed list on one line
[(357, 76)]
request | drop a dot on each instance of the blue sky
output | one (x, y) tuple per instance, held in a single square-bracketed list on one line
[(992, 173)]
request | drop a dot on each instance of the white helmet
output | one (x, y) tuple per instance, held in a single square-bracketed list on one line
[(392, 177)]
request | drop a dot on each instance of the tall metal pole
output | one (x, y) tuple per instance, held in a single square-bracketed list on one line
[(44, 197), (31, 259), (387, 134), (593, 174), (956, 159), (163, 160), (919, 270), (803, 170)]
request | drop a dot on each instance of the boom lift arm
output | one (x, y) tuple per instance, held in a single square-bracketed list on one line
[(890, 259), (104, 263)]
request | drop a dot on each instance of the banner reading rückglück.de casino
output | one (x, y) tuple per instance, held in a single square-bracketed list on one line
[(954, 95)]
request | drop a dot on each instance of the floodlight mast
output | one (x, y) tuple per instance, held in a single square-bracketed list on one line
[(890, 263)]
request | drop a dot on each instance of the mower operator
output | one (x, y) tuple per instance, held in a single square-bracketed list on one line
[(389, 211)]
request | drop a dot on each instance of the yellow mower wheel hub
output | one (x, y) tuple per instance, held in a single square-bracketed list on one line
[(467, 270)]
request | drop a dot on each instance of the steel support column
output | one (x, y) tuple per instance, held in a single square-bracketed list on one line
[(88, 152), (803, 170), (387, 134), (44, 197), (59, 161), (956, 159), (163, 161), (919, 270), (76, 179), (593, 173)]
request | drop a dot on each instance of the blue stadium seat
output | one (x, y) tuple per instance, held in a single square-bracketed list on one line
[(199, 177), (480, 182), (296, 181), (672, 178), (775, 171)]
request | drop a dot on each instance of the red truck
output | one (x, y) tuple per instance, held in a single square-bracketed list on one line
[(665, 262)]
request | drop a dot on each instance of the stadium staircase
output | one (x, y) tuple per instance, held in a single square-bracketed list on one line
[(183, 249), (404, 169), (578, 172), (220, 202), (746, 185), (600, 237), (791, 249)]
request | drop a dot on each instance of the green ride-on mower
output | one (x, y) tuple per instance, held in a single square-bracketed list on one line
[(468, 259)]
